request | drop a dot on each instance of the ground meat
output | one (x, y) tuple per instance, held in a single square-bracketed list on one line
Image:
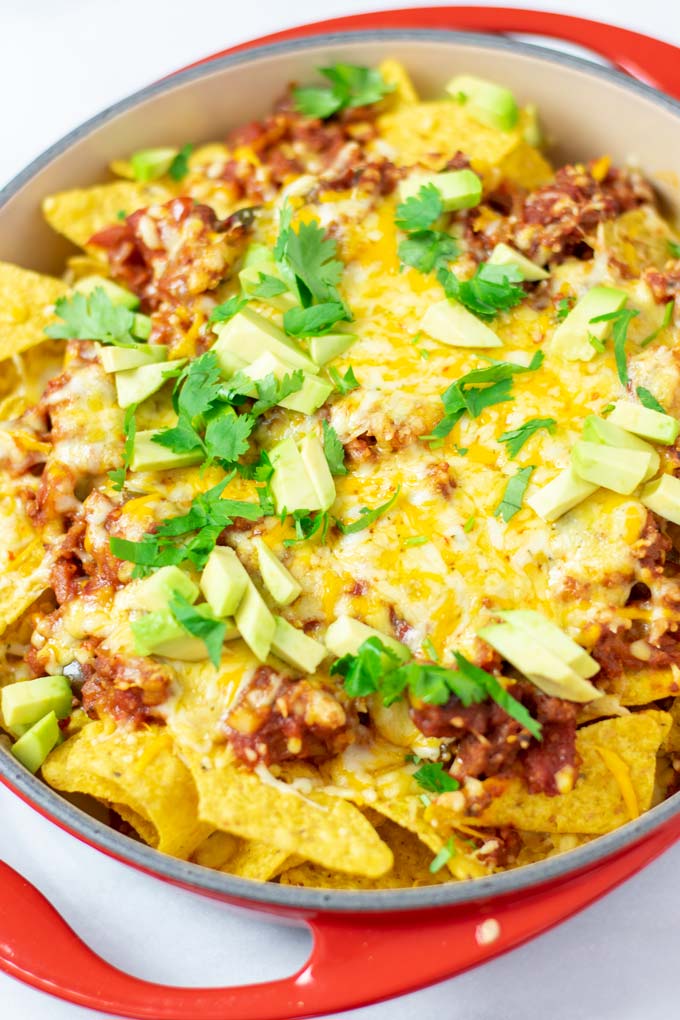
[(128, 689), (664, 284), (652, 546), (441, 477), (376, 176), (459, 161), (171, 252), (494, 743), (501, 847), (279, 719), (402, 628), (361, 448), (615, 650)]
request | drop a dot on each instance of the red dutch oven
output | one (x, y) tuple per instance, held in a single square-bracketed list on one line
[(366, 945)]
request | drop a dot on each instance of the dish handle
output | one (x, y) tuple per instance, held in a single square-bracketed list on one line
[(356, 958), (651, 61)]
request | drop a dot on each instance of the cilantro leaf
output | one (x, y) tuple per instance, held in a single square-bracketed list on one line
[(621, 321), (227, 434), (344, 383), (181, 438), (129, 431), (563, 309), (198, 387), (513, 496), (492, 289), (334, 450), (648, 400), (93, 317), (433, 777), (426, 250), (271, 391), (420, 211), (443, 857), (179, 167), (269, 286), (313, 321), (307, 525), (364, 671), (285, 219), (351, 86), (210, 630), (674, 249), (227, 310), (311, 255), (516, 438), (367, 517)]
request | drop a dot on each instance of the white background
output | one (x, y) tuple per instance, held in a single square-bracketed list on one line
[(60, 62)]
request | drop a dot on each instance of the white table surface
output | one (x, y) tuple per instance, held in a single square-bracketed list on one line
[(61, 61)]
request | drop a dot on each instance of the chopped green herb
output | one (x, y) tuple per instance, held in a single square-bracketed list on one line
[(311, 256), (621, 321), (430, 650), (516, 438), (351, 86), (665, 322), (307, 525), (563, 309), (443, 857), (469, 524), (129, 431), (179, 167), (648, 399), (433, 777), (121, 214), (420, 211), (596, 342), (415, 540), (210, 632), (364, 671), (334, 450), (492, 289), (498, 693), (367, 517), (674, 249), (343, 383), (269, 286), (513, 496), (607, 409), (461, 450), (93, 317), (314, 321), (426, 250), (227, 310)]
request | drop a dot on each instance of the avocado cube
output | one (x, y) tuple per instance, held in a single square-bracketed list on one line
[(345, 636), (313, 393), (123, 359), (150, 164), (33, 747), (116, 294), (141, 326), (488, 103), (331, 345), (504, 255), (452, 324), (296, 648), (255, 623), (605, 431), (27, 701), (150, 456), (138, 384), (544, 632), (662, 497), (290, 484), (620, 470), (248, 335), (542, 666), (318, 471), (560, 495), (645, 422), (278, 580), (224, 581), (156, 590), (159, 633), (570, 339), (457, 189)]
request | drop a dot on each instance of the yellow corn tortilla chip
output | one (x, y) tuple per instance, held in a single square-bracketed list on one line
[(411, 867), (244, 858), (82, 212), (606, 793), (142, 826), (395, 74), (24, 578), (536, 846), (137, 769), (26, 307), (323, 829), (645, 685)]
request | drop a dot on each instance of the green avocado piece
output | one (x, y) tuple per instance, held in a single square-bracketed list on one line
[(224, 581), (645, 422), (331, 345), (156, 590), (605, 431), (27, 701), (662, 497), (458, 189), (278, 580), (150, 164), (487, 102), (159, 633), (116, 294), (290, 484), (123, 359), (150, 456), (255, 623), (309, 398), (570, 339), (542, 666), (33, 747), (141, 327), (560, 495), (316, 465), (504, 255), (450, 323), (544, 632), (621, 470), (296, 648), (345, 636), (138, 384), (248, 335)]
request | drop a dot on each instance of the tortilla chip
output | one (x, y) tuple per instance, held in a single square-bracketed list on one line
[(244, 858), (24, 578), (610, 788), (134, 769), (411, 867), (645, 685), (142, 826), (82, 212), (536, 846), (323, 829), (26, 307), (403, 92)]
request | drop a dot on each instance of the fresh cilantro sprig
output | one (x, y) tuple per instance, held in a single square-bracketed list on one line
[(309, 524), (343, 383), (563, 309), (433, 777), (210, 631), (492, 289), (516, 438), (420, 211), (620, 320), (648, 400), (350, 85), (268, 286), (334, 450), (511, 503), (312, 258), (129, 431), (424, 249), (367, 517), (313, 321), (227, 310), (93, 317)]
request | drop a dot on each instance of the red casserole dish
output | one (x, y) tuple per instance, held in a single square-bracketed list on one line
[(367, 945)]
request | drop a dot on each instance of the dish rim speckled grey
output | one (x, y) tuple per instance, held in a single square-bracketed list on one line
[(297, 899)]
